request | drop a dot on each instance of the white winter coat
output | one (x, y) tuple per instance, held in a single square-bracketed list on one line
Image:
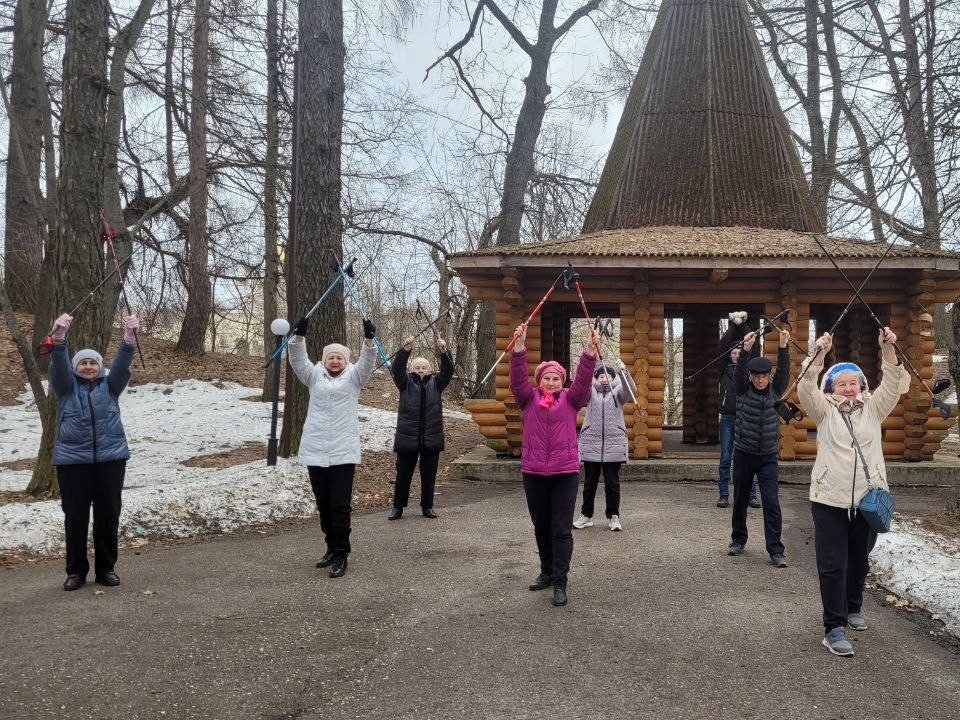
[(837, 479), (331, 432)]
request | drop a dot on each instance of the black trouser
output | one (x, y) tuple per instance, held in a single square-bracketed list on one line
[(333, 489), (551, 500), (100, 485), (406, 463), (611, 486), (767, 472), (842, 549)]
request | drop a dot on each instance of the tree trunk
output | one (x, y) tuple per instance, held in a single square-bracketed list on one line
[(318, 228), (26, 222), (123, 43), (78, 260), (193, 333), (271, 275)]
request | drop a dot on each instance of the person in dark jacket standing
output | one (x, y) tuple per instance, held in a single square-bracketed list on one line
[(730, 343), (90, 449), (419, 436), (755, 443), (603, 442)]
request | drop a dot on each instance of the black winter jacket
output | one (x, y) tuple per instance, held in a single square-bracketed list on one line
[(727, 400), (757, 421), (420, 416)]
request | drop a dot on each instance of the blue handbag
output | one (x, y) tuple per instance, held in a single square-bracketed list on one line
[(877, 505), (877, 509)]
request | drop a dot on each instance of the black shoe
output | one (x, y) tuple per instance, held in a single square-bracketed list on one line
[(735, 549), (326, 560), (543, 581), (429, 513), (754, 503), (559, 595), (339, 567), (395, 514), (724, 501), (74, 582), (110, 579)]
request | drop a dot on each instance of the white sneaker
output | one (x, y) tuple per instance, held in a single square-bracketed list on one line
[(615, 523), (582, 522)]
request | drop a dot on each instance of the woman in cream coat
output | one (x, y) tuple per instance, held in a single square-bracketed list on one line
[(844, 409), (330, 444)]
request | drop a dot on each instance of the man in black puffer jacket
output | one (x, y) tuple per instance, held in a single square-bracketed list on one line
[(755, 444), (419, 435), (730, 343)]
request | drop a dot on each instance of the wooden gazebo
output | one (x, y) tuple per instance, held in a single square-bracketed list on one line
[(703, 208)]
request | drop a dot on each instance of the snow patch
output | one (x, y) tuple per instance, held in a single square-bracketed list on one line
[(923, 566), (166, 424)]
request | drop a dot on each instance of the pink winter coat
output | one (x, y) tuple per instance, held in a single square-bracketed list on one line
[(550, 434)]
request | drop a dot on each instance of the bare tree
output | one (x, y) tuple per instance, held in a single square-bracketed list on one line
[(196, 317)]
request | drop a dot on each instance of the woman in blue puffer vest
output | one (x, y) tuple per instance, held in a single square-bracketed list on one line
[(90, 450)]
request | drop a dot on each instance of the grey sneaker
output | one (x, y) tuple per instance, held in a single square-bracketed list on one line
[(778, 560), (735, 549), (753, 502), (836, 642), (856, 621), (582, 522)]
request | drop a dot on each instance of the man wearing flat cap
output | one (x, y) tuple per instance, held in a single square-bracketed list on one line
[(755, 444)]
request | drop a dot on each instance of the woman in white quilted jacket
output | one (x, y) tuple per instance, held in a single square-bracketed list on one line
[(847, 415), (330, 443)]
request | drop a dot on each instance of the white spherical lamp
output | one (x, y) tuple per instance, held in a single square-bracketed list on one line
[(280, 326)]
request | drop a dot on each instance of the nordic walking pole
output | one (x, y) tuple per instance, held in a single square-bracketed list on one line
[(108, 238), (46, 346), (943, 407), (422, 332), (310, 312), (803, 370), (356, 301), (566, 283), (586, 314), (768, 328)]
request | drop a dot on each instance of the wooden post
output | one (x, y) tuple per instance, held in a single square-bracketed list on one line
[(920, 442), (635, 347)]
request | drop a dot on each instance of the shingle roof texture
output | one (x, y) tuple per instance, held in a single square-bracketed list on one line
[(702, 140)]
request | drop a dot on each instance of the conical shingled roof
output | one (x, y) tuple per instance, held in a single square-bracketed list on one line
[(702, 140)]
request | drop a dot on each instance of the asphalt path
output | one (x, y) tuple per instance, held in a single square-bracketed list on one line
[(434, 620)]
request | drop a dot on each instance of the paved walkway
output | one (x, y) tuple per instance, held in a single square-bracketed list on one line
[(434, 621)]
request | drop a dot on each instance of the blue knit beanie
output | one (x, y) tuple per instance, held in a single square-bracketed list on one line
[(844, 367)]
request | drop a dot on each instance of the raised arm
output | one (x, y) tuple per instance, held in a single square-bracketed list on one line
[(733, 335), (398, 368), (61, 376), (367, 362), (625, 386), (781, 381), (579, 393), (119, 374), (894, 381), (519, 374), (297, 354), (811, 398), (740, 375), (446, 366)]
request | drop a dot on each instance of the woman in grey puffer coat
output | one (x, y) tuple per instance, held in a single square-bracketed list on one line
[(603, 441)]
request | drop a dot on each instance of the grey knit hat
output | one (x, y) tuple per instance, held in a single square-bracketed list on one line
[(87, 354)]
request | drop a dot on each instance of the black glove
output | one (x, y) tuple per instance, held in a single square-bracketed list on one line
[(369, 330), (300, 328)]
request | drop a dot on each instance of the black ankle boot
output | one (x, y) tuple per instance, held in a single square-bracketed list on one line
[(326, 560), (339, 566), (559, 595), (395, 514), (74, 582)]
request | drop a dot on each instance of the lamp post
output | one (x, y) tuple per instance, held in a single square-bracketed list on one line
[(279, 327)]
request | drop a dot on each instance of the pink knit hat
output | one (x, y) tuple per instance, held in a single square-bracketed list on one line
[(550, 366)]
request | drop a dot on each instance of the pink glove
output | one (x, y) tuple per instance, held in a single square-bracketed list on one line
[(60, 327), (130, 325)]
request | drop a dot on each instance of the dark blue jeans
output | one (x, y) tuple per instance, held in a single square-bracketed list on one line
[(767, 472), (728, 423)]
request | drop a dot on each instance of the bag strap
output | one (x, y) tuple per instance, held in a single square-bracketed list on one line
[(856, 444)]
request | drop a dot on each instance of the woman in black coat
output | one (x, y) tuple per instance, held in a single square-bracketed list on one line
[(419, 434)]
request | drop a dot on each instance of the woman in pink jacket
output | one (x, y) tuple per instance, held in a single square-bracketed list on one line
[(550, 462)]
